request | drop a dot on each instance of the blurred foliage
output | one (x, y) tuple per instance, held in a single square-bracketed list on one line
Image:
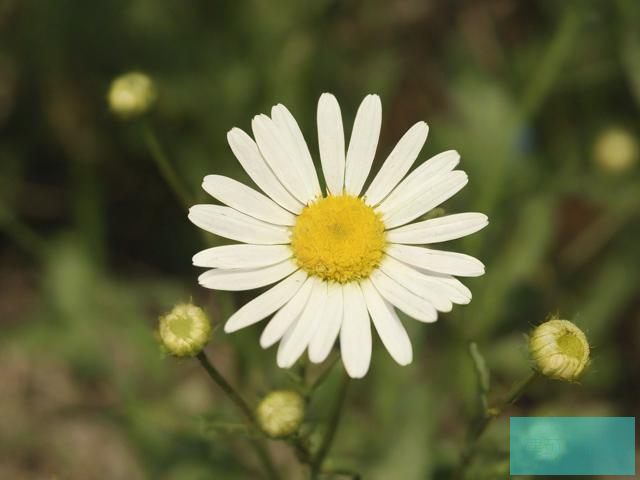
[(94, 246)]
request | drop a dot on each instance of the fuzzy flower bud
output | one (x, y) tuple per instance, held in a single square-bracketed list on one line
[(131, 95), (559, 349), (280, 413), (616, 150), (185, 330)]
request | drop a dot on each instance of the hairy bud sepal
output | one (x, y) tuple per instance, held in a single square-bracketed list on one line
[(559, 349), (184, 331), (280, 413)]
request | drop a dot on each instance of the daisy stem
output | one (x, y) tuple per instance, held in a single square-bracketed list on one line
[(21, 234), (342, 472), (164, 166), (258, 444), (487, 417), (323, 376), (334, 420)]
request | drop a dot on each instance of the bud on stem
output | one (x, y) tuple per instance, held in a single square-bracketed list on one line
[(185, 330), (132, 95), (280, 413), (559, 349)]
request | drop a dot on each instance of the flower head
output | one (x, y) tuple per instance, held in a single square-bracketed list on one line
[(131, 95), (559, 349), (185, 330), (280, 413), (344, 258)]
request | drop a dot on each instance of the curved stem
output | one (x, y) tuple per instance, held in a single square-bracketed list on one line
[(334, 420), (166, 169), (323, 376), (21, 234), (487, 418), (258, 444)]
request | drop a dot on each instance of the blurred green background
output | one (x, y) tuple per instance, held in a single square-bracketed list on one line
[(94, 246)]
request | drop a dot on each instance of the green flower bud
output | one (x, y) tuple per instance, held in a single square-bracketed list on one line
[(132, 95), (185, 330), (559, 349), (616, 150), (280, 413)]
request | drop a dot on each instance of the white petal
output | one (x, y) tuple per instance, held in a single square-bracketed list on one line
[(272, 146), (331, 143), (391, 331), (413, 305), (355, 333), (249, 156), (327, 332), (242, 256), (246, 278), (281, 321), (363, 144), (418, 283), (430, 197), (297, 147), (437, 260), (300, 333), (246, 200), (265, 304), (230, 223), (397, 163), (423, 176), (440, 229), (458, 292)]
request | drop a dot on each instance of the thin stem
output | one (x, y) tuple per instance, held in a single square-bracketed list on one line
[(244, 408), (341, 472), (323, 376), (21, 234), (551, 64), (228, 389), (164, 166), (487, 418), (334, 420), (301, 449)]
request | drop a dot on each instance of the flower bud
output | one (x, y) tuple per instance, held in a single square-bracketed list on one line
[(280, 413), (131, 95), (616, 150), (559, 349), (185, 330)]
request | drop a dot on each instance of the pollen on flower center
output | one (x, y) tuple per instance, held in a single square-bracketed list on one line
[(338, 238)]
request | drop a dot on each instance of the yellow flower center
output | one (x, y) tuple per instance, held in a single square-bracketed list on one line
[(338, 238)]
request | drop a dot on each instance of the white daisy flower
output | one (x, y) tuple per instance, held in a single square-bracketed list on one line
[(341, 258)]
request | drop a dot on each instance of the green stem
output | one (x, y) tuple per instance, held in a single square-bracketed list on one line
[(258, 445), (334, 420), (487, 418), (323, 376), (342, 472), (164, 166), (551, 64), (22, 234)]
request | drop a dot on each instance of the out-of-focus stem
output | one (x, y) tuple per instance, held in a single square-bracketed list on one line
[(21, 234), (487, 417), (334, 421), (164, 166), (247, 412), (323, 376)]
